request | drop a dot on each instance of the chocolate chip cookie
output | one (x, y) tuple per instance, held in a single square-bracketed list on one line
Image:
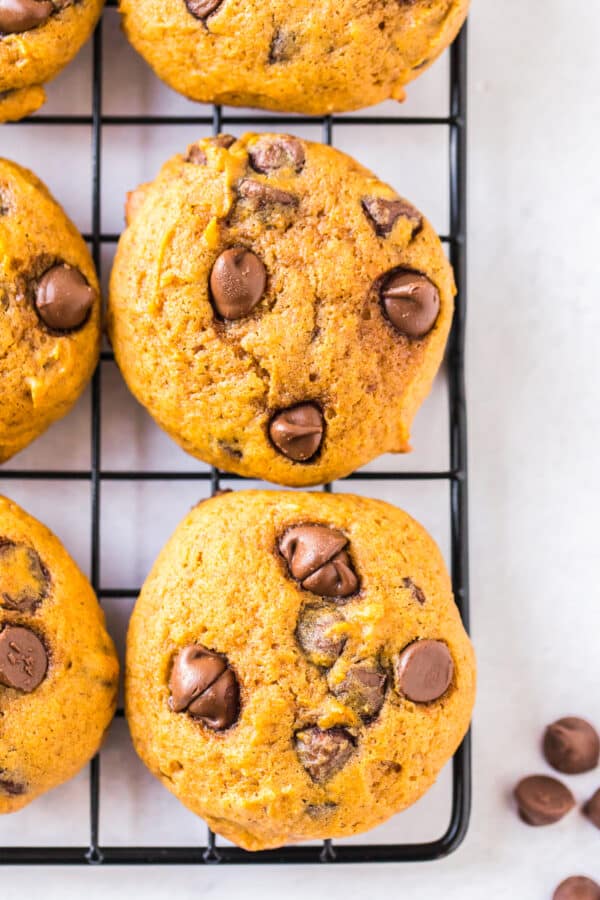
[(296, 666), (49, 310), (302, 57), (37, 40), (58, 666), (279, 311)]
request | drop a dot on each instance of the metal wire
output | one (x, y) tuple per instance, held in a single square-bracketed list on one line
[(456, 121)]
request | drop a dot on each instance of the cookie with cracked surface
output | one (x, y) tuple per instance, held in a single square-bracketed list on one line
[(279, 311), (275, 708), (316, 58), (49, 310), (58, 666), (38, 38)]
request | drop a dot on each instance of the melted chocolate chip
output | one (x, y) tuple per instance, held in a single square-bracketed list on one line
[(196, 155), (282, 47), (23, 659), (24, 580), (577, 888), (424, 671), (237, 283), (572, 746), (203, 684), (10, 786), (270, 153), (318, 636), (542, 800), (363, 688), (202, 9), (317, 558), (411, 302), (17, 16), (323, 753), (383, 214), (592, 809), (297, 432), (259, 194), (64, 298), (415, 590)]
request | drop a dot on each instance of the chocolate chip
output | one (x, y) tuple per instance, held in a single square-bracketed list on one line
[(592, 809), (11, 787), (224, 140), (270, 153), (363, 688), (320, 810), (424, 671), (5, 199), (202, 9), (297, 432), (203, 684), (17, 16), (577, 888), (317, 558), (543, 800), (411, 302), (64, 298), (415, 590), (383, 214), (318, 636), (571, 746), (260, 194), (323, 753), (24, 580), (23, 659), (196, 156), (237, 282), (282, 47)]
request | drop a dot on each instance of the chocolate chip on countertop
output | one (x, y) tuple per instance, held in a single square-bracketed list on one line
[(411, 302), (577, 888), (383, 214), (542, 800), (317, 635), (24, 580), (270, 153), (202, 9), (416, 591), (317, 558), (237, 282), (424, 671), (297, 432), (260, 194), (64, 298), (204, 685), (363, 688), (23, 659), (323, 753), (592, 809), (17, 16), (572, 746)]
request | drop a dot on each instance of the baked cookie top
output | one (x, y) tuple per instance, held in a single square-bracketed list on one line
[(279, 310), (296, 666), (315, 58), (58, 666), (49, 310)]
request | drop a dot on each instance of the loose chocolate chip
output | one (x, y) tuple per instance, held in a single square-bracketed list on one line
[(415, 590), (363, 688), (17, 16), (317, 558), (203, 684), (24, 580), (269, 153), (318, 636), (264, 195), (592, 809), (282, 47), (383, 214), (411, 302), (323, 753), (572, 746), (542, 800), (64, 298), (202, 9), (297, 432), (577, 888), (23, 659), (237, 282), (424, 671)]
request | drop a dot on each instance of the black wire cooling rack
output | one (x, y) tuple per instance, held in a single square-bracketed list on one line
[(93, 852)]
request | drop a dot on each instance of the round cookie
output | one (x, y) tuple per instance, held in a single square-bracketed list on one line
[(279, 311), (296, 666), (37, 40), (49, 310), (316, 58), (58, 666)]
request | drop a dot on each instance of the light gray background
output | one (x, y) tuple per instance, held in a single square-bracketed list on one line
[(534, 367)]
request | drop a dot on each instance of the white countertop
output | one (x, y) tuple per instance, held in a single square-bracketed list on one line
[(534, 410)]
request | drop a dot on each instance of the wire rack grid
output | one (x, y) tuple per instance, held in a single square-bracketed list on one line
[(93, 852)]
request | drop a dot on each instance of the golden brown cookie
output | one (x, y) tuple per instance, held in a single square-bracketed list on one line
[(37, 40), (58, 666), (49, 310), (279, 311), (301, 57), (296, 666)]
